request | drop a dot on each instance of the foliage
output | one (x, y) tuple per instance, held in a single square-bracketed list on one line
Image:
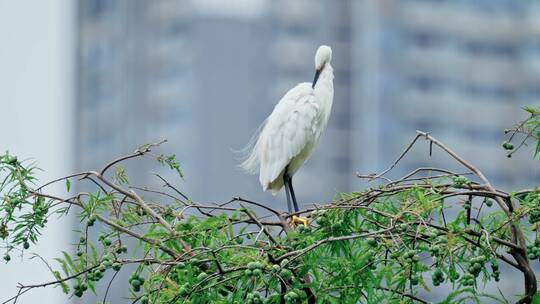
[(394, 243), (528, 130)]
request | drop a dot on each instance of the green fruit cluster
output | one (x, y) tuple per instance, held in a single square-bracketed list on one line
[(534, 216), (468, 279), (80, 288), (97, 274), (437, 277), (435, 250), (294, 296), (410, 256), (453, 275), (104, 239), (254, 298), (184, 290), (460, 181), (136, 282), (286, 273), (508, 145), (121, 249), (476, 265), (254, 269), (496, 272), (534, 250)]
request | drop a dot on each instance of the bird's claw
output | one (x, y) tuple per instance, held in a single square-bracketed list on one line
[(296, 220)]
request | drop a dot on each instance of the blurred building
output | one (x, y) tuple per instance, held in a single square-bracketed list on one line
[(460, 69), (204, 74)]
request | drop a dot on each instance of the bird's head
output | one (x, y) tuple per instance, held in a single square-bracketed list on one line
[(322, 57)]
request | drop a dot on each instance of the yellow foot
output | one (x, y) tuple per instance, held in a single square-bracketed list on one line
[(296, 220)]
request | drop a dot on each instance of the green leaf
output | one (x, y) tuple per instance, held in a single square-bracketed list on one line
[(70, 262), (121, 175), (171, 161), (68, 184), (64, 266), (536, 298), (65, 287)]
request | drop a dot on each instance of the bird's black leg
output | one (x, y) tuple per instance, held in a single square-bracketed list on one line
[(286, 184), (289, 180)]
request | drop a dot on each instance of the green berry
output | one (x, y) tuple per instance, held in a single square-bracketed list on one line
[(508, 145), (78, 293), (372, 242), (91, 221), (26, 245), (285, 273), (183, 291), (292, 295), (7, 258), (202, 276)]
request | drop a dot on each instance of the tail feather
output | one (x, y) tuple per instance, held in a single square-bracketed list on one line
[(249, 155)]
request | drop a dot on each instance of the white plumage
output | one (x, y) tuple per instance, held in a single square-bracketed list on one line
[(293, 129)]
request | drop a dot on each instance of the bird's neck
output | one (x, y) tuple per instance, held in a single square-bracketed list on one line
[(324, 88), (326, 79)]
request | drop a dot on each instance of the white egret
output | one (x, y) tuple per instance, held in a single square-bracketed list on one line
[(287, 137)]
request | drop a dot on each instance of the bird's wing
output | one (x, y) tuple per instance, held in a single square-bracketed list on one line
[(290, 127)]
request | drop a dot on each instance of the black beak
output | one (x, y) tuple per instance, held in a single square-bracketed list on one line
[(317, 74)]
